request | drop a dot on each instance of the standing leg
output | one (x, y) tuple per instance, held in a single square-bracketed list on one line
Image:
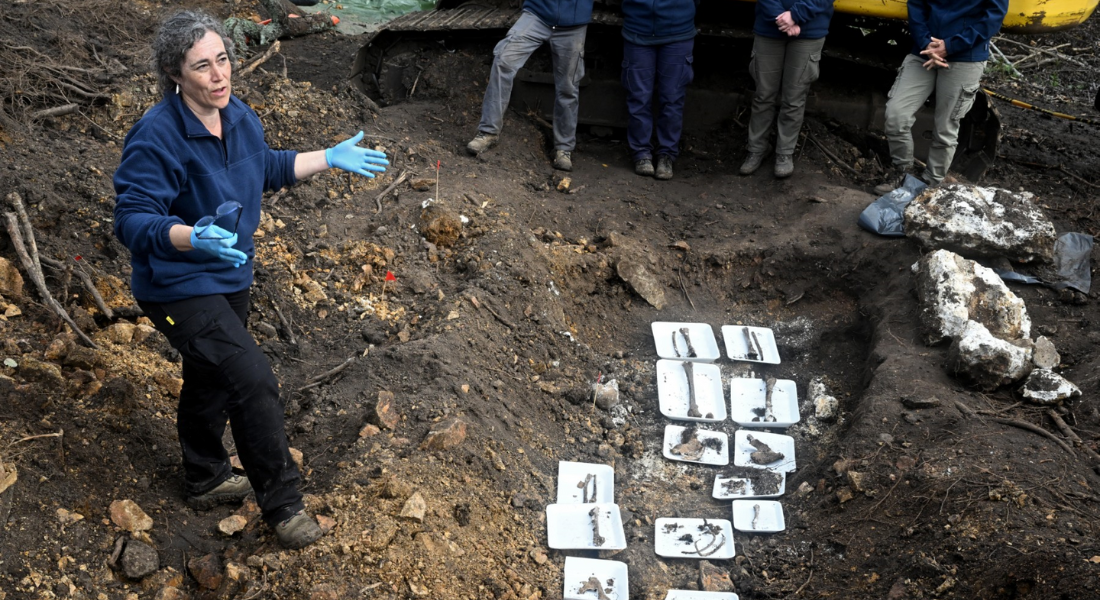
[(567, 51), (801, 67), (674, 73), (766, 68), (914, 84), (639, 71), (508, 57), (955, 91)]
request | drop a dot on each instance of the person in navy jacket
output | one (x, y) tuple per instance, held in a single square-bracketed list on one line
[(950, 47), (198, 153), (658, 41), (563, 24), (786, 59)]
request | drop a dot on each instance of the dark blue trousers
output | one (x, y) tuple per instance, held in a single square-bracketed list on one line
[(666, 69), (227, 376)]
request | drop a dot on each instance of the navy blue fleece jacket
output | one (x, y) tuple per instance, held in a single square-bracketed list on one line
[(560, 13), (965, 26), (812, 17), (173, 171), (655, 22)]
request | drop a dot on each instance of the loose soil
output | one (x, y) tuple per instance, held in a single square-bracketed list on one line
[(507, 329)]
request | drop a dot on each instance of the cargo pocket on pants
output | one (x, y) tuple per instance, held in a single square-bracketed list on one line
[(964, 102), (204, 340), (752, 69), (812, 70)]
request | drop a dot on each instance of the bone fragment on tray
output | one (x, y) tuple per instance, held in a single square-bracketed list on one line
[(764, 454), (675, 350), (693, 408), (755, 515), (593, 585), (684, 331), (597, 539), (690, 448), (585, 498), (769, 411), (759, 348), (750, 349)]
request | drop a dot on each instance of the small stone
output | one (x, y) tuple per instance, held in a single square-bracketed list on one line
[(641, 281), (804, 488), (382, 412), (171, 593), (327, 524), (232, 524), (129, 516), (445, 435), (121, 332), (11, 281), (58, 348), (1045, 355), (32, 369), (139, 559), (68, 518), (858, 481), (563, 184), (825, 404), (382, 532), (1045, 387), (267, 329), (298, 458), (606, 394), (415, 508), (143, 332), (917, 403), (171, 384), (369, 430), (539, 556), (422, 184), (844, 494), (713, 578), (207, 571)]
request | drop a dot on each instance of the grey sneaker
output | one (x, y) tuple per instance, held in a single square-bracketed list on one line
[(481, 143), (644, 167), (231, 491), (299, 531), (892, 180), (784, 165), (563, 161), (664, 167), (752, 162)]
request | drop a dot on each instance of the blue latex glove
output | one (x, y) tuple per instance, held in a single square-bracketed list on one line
[(349, 157), (218, 243)]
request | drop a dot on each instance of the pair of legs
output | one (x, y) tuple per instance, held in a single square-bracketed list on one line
[(955, 89), (509, 56), (665, 71), (783, 70), (227, 376)]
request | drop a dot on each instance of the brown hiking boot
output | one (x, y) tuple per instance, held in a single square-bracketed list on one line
[(644, 167), (563, 161), (231, 491), (299, 531)]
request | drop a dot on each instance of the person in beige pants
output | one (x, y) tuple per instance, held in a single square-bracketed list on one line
[(950, 47)]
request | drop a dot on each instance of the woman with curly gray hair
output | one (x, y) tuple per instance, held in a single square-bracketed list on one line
[(189, 185)]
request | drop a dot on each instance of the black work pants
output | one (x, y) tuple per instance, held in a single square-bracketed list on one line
[(227, 376)]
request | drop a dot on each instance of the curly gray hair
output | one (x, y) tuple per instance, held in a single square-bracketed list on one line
[(175, 37)]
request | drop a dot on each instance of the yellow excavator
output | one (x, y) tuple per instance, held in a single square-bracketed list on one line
[(867, 41)]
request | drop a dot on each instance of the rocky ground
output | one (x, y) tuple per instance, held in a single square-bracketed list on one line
[(431, 411)]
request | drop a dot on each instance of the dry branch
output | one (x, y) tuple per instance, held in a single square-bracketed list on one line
[(271, 50), (89, 286), (1038, 430), (396, 182), (323, 377)]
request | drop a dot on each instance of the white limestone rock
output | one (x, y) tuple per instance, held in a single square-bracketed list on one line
[(978, 221), (987, 360), (952, 291), (1045, 387)]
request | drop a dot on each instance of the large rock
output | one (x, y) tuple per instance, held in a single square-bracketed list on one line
[(978, 221), (139, 559), (952, 290), (445, 435), (129, 516), (642, 281), (1045, 387), (11, 281), (989, 361)]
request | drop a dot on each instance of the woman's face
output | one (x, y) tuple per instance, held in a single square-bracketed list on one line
[(204, 75)]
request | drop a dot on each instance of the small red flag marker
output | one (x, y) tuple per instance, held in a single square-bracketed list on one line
[(389, 278)]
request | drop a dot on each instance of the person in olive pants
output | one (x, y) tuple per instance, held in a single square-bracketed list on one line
[(786, 59)]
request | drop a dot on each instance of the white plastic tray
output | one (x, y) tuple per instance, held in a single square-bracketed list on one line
[(571, 486), (702, 340), (569, 527), (685, 538), (742, 450), (611, 574), (770, 519), (710, 456), (694, 595), (732, 488), (747, 399), (672, 391), (737, 349)]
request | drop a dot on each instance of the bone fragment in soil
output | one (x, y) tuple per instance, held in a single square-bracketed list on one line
[(734, 486), (597, 539), (764, 454), (584, 485), (750, 352), (593, 585), (693, 408), (687, 339), (755, 515)]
